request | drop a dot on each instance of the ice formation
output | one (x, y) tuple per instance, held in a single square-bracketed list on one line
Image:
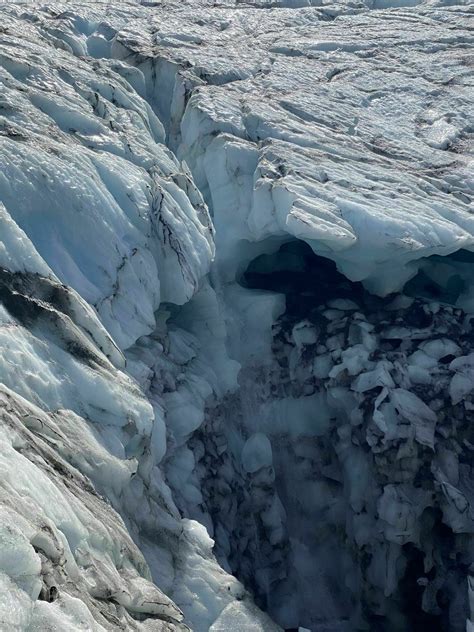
[(236, 294)]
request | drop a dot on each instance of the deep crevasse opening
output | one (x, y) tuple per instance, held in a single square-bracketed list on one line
[(319, 477), (269, 468)]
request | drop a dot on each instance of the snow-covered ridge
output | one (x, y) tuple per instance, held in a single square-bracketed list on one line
[(145, 361)]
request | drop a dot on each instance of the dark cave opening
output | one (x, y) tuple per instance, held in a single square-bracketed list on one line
[(442, 278), (308, 280), (411, 593)]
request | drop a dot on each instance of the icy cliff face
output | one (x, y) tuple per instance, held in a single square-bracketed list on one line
[(100, 225), (235, 287)]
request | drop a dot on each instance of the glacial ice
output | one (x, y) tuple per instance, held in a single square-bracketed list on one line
[(236, 379), (100, 224), (256, 453)]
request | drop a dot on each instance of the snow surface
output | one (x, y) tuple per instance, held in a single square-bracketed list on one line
[(166, 426)]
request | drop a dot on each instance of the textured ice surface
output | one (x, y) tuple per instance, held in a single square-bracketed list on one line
[(85, 175), (340, 125), (99, 225), (322, 440)]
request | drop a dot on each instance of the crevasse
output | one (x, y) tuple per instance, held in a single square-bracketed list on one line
[(235, 291)]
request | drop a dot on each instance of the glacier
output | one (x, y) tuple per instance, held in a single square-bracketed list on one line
[(236, 303)]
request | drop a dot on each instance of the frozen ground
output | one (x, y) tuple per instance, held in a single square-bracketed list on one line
[(208, 213)]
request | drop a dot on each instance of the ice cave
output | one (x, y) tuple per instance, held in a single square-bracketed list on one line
[(236, 316)]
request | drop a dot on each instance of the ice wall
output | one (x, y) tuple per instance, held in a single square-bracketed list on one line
[(100, 225)]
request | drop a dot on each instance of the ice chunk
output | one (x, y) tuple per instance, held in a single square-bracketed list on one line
[(440, 348), (237, 617), (256, 453), (462, 382), (304, 333), (415, 410), (380, 376)]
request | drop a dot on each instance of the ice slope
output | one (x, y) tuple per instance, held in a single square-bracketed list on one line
[(128, 192), (133, 363), (99, 225)]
